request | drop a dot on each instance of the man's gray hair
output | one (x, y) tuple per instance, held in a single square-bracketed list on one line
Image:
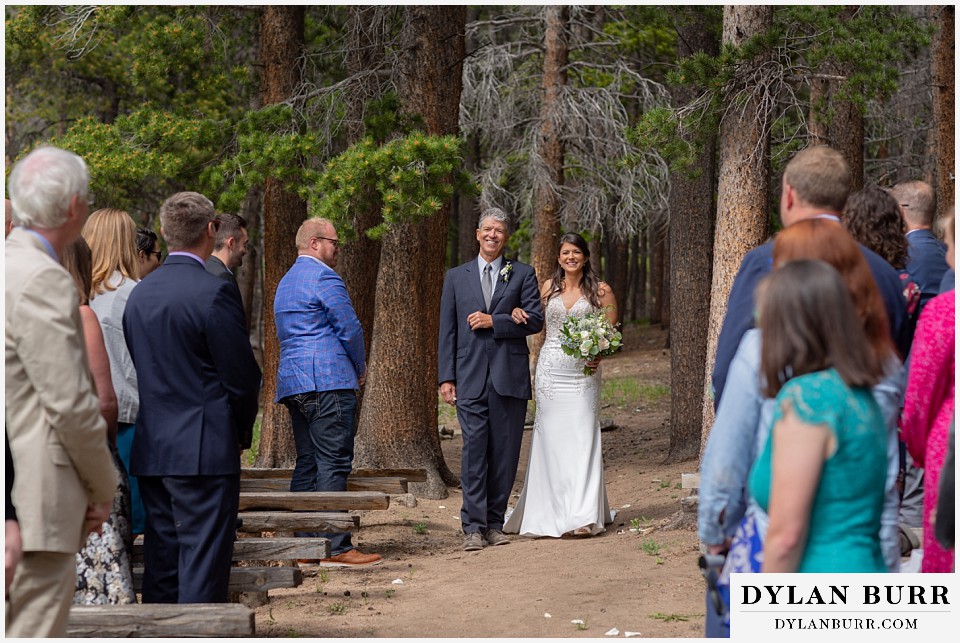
[(496, 214), (184, 218), (43, 183)]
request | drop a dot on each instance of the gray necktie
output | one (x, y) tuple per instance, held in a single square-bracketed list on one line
[(486, 285)]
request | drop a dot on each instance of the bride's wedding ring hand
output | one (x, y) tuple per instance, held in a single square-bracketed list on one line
[(519, 316)]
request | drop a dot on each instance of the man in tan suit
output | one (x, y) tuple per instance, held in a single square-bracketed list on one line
[(65, 479)]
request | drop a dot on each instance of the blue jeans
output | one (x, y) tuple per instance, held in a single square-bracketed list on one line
[(323, 431)]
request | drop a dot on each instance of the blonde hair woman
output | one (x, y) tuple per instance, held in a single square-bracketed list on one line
[(112, 237)]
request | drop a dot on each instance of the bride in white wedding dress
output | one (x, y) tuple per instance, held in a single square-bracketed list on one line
[(564, 491)]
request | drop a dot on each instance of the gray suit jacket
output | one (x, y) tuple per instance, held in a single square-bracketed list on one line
[(465, 355), (57, 438)]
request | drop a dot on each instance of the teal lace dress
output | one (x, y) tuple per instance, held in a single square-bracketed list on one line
[(845, 516)]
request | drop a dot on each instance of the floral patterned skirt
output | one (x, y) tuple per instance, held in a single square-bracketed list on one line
[(104, 576)]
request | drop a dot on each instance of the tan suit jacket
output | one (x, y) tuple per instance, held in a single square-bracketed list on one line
[(57, 437)]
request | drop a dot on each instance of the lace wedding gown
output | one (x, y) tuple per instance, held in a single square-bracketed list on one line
[(564, 488)]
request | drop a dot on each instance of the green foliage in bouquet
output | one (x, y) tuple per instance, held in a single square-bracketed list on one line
[(589, 337)]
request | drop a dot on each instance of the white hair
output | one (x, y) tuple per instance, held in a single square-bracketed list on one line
[(42, 185), (496, 214)]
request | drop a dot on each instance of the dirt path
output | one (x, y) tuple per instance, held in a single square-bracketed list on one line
[(635, 582)]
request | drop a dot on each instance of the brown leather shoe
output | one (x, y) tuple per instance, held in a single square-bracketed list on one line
[(351, 558), (496, 537), (473, 542)]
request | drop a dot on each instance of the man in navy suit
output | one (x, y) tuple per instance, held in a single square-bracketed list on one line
[(927, 254), (322, 364), (229, 247), (816, 183), (484, 371), (198, 384)]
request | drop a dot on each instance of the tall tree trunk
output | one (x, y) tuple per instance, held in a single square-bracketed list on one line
[(281, 46), (944, 104), (359, 260), (643, 258), (666, 278), (633, 280), (743, 187), (469, 212), (843, 129), (248, 272), (656, 273), (616, 273), (691, 262), (546, 210), (398, 421)]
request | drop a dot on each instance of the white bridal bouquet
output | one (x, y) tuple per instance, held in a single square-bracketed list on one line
[(589, 336)]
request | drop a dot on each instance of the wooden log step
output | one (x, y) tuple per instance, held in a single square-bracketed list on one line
[(258, 521), (411, 475), (266, 549), (313, 500), (248, 579), (213, 620), (391, 485)]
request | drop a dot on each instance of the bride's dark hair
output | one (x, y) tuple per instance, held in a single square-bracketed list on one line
[(589, 283)]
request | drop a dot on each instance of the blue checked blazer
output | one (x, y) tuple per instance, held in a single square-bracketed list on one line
[(321, 341)]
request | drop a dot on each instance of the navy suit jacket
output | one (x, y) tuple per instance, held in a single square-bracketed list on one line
[(740, 306), (465, 355), (217, 268), (927, 263), (197, 376)]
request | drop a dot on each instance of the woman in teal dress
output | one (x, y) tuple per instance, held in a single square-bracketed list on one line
[(820, 475)]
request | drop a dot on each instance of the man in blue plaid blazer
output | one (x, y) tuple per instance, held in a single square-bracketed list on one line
[(322, 365)]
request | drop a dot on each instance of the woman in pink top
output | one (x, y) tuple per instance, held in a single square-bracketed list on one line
[(929, 405)]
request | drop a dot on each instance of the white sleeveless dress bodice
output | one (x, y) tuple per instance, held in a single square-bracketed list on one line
[(564, 487)]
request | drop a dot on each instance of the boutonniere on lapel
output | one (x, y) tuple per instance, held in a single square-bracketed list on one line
[(505, 272)]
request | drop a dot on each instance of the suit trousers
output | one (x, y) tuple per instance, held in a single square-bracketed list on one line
[(188, 541), (41, 594), (492, 428), (323, 432)]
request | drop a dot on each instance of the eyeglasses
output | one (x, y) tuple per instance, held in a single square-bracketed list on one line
[(335, 242), (159, 256)]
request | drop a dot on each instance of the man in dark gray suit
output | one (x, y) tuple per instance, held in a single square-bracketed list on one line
[(488, 308), (229, 248)]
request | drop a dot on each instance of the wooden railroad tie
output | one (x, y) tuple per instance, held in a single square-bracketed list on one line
[(411, 475), (384, 484), (255, 522), (213, 620), (248, 579), (313, 500), (266, 549)]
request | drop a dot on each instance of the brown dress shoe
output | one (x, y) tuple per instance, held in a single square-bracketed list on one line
[(496, 537), (351, 558), (473, 542)]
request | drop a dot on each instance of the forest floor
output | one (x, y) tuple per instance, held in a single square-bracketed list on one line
[(644, 581)]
